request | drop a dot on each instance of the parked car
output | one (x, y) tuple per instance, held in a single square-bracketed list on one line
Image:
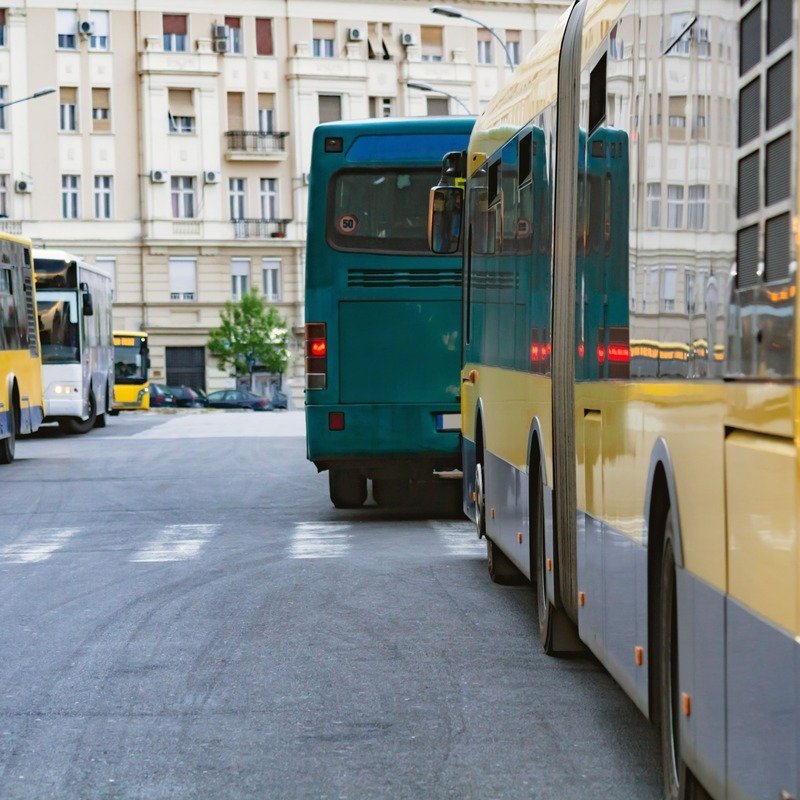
[(161, 396), (238, 398), (276, 397), (188, 398)]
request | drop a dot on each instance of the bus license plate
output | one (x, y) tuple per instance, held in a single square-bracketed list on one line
[(448, 422)]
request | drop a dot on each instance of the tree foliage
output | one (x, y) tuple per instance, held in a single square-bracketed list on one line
[(250, 334)]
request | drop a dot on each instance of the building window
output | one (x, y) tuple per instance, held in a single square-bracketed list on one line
[(234, 34), (69, 197), (697, 211), (68, 108), (109, 264), (380, 107), (269, 198), (102, 196), (654, 205), (330, 107), (266, 113), (237, 188), (271, 272), (3, 98), (99, 38), (66, 28), (513, 46), (182, 279), (632, 288), (703, 41), (674, 207), (2, 27), (437, 106), (5, 181), (181, 111), (689, 291), (182, 196), (668, 290), (484, 46), (432, 43), (324, 38), (101, 111), (380, 45), (677, 121), (264, 45), (240, 277), (175, 38)]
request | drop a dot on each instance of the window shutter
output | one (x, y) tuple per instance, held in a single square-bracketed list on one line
[(264, 37), (233, 22), (68, 94), (175, 24), (180, 103), (235, 111)]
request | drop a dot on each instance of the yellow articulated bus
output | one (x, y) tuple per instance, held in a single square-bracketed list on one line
[(630, 382), (21, 404), (131, 368)]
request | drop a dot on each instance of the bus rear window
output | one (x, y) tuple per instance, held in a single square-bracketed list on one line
[(382, 210)]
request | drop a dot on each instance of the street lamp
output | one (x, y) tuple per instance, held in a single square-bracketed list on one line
[(426, 87), (454, 13), (37, 93)]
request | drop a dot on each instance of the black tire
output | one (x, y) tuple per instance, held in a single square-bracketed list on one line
[(78, 426), (391, 492), (8, 445), (348, 488), (500, 567), (480, 501), (114, 412)]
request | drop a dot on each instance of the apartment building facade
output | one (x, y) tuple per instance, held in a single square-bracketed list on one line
[(175, 148)]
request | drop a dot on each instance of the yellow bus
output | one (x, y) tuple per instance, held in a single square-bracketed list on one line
[(21, 404), (131, 368), (630, 383)]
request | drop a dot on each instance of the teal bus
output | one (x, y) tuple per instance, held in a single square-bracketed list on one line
[(383, 314)]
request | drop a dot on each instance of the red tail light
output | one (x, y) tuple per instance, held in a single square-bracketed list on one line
[(316, 355), (336, 420), (619, 353), (601, 354)]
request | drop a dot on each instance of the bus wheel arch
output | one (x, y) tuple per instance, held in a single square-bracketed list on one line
[(8, 443)]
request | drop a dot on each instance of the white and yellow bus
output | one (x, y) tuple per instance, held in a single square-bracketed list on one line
[(630, 393), (131, 369), (21, 405)]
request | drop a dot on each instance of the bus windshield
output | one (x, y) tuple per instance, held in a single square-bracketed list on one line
[(129, 364), (380, 210), (58, 327)]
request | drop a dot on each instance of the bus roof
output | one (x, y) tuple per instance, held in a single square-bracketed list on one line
[(48, 254)]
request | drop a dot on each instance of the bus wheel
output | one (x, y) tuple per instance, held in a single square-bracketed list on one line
[(390, 492), (480, 501), (9, 444), (348, 488), (500, 567), (678, 781), (74, 425)]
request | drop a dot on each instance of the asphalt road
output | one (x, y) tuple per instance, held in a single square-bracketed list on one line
[(184, 615)]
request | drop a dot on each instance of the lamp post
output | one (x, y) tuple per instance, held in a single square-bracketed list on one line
[(454, 13), (38, 93), (426, 87)]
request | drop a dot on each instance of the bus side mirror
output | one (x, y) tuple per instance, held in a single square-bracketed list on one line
[(88, 304), (444, 219)]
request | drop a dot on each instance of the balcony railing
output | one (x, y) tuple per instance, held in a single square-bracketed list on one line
[(256, 142), (260, 228)]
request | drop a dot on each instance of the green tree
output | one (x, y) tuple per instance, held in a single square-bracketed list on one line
[(250, 333)]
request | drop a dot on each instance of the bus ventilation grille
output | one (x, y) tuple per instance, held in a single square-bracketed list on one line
[(395, 278)]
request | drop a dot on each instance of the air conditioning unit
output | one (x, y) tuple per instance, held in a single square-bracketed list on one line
[(407, 39), (159, 175), (23, 186), (355, 34), (220, 32), (85, 27), (211, 176), (220, 45)]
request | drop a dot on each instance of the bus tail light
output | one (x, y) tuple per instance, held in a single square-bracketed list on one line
[(316, 355), (335, 420)]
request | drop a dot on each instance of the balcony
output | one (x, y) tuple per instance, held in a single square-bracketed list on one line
[(255, 146), (260, 228)]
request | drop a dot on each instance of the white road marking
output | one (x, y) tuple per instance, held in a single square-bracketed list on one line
[(320, 540), (459, 538), (36, 546), (176, 543)]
